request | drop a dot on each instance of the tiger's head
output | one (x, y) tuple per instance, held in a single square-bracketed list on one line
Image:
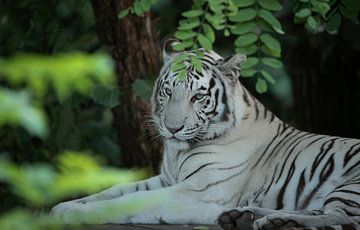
[(201, 107)]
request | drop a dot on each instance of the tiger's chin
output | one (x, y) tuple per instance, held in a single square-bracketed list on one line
[(177, 143)]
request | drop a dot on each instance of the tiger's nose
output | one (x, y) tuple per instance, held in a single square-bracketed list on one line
[(174, 130)]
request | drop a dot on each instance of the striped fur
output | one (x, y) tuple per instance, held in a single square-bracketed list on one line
[(229, 160)]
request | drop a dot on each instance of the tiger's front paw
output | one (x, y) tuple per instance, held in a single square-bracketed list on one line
[(237, 219), (70, 212), (276, 221)]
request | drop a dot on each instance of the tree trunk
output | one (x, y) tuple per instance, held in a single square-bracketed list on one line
[(134, 46), (325, 75)]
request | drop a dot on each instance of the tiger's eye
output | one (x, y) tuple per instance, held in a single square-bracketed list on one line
[(198, 97), (168, 91)]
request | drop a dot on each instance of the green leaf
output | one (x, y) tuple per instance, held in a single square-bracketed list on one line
[(123, 13), (189, 25), (199, 2), (108, 97), (272, 43), (334, 22), (303, 13), (196, 63), (138, 8), (246, 39), (185, 34), (243, 15), (248, 50), (311, 22), (250, 62), (270, 52), (16, 110), (273, 5), (350, 9), (269, 18), (243, 3), (261, 86), (351, 4), (266, 27), (146, 4), (193, 13), (217, 21), (209, 32), (243, 28), (248, 72), (320, 7), (204, 42), (182, 75), (267, 76), (183, 45), (142, 88), (272, 62)]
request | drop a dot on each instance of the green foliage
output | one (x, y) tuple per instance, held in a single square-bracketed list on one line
[(139, 8), (256, 27), (43, 95), (252, 21), (41, 73), (32, 26), (318, 15), (17, 109), (78, 174), (41, 185)]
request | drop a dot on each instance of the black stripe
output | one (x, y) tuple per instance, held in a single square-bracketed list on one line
[(265, 112), (218, 182), (197, 170), (213, 111), (324, 175), (272, 180), (280, 198), (300, 188), (350, 154), (274, 149), (351, 168), (289, 154), (348, 191), (267, 147), (146, 186), (245, 97), (272, 117), (323, 151), (162, 183), (256, 109), (350, 203), (232, 167), (190, 156)]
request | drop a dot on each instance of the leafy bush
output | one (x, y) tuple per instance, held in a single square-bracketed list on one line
[(255, 28), (35, 88)]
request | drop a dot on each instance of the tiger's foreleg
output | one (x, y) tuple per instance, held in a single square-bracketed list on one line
[(172, 204), (117, 191)]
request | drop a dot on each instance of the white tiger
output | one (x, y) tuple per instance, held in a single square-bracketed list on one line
[(229, 160)]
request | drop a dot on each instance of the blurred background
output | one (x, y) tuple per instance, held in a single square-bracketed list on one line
[(75, 82)]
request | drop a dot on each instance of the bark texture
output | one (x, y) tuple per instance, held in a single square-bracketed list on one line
[(134, 46), (325, 71)]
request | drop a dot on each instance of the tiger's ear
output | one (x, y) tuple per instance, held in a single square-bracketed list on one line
[(231, 66), (168, 48)]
